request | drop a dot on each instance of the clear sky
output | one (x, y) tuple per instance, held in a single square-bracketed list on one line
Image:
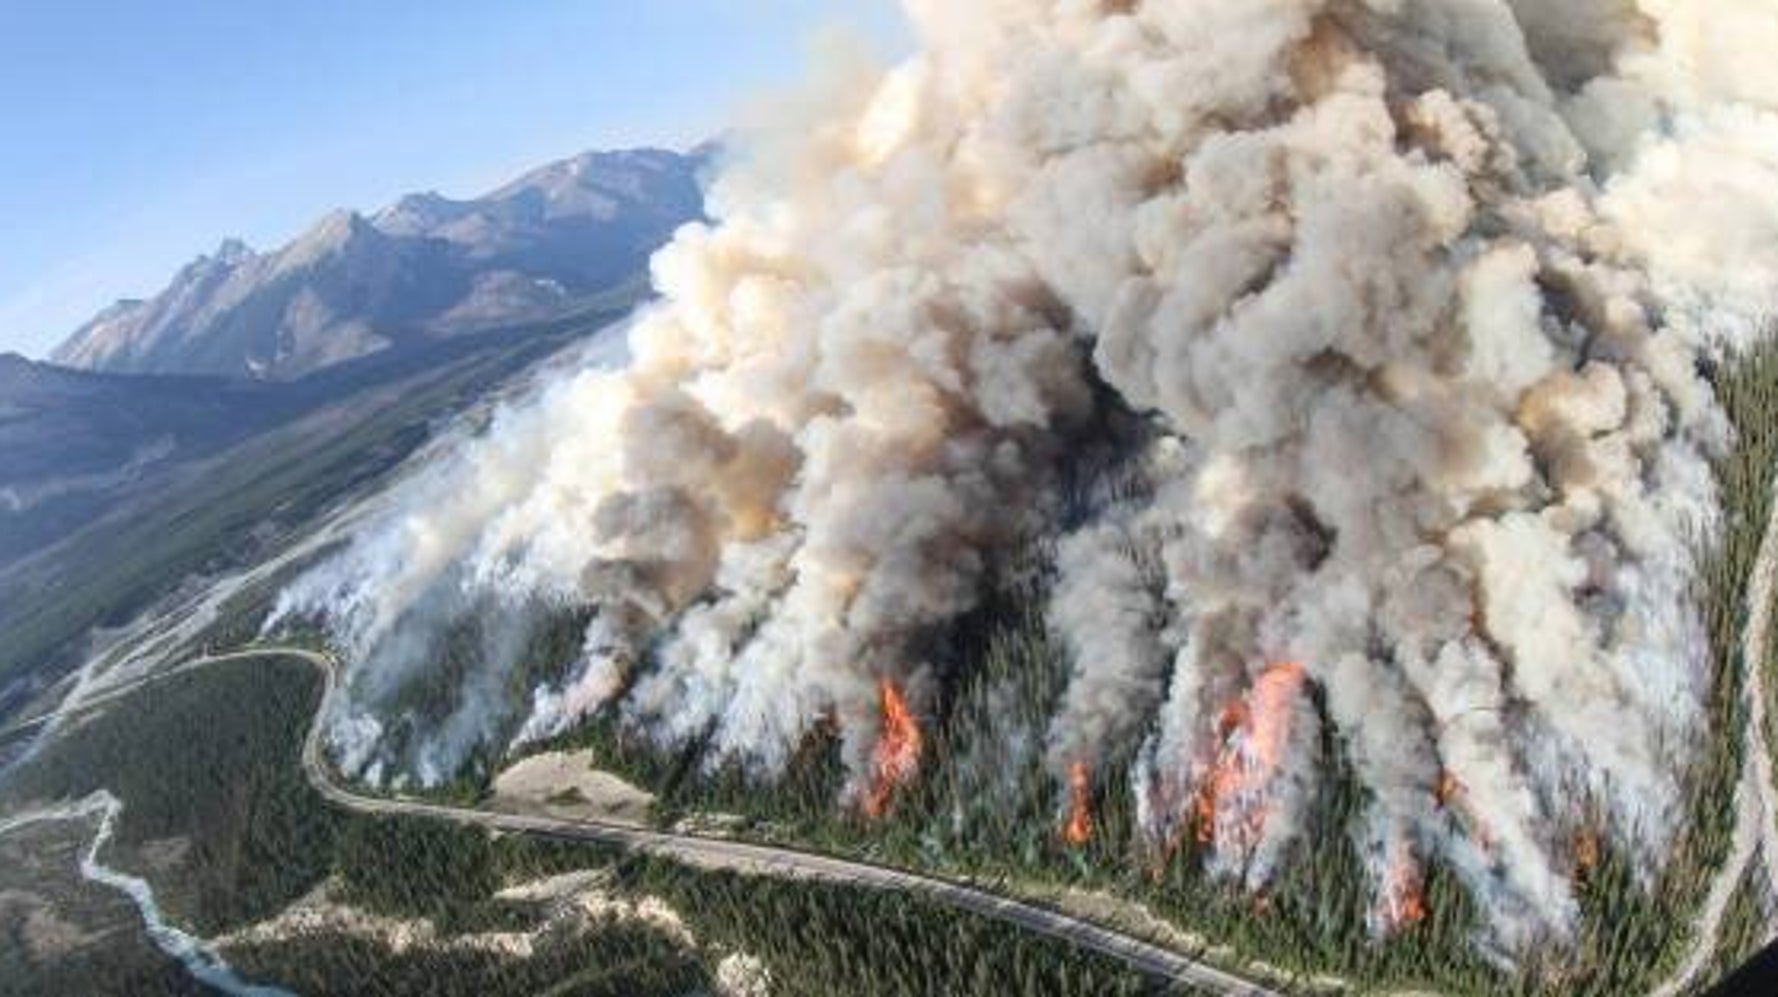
[(135, 135)]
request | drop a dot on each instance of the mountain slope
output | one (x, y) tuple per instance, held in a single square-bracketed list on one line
[(56, 421), (264, 463), (73, 439), (427, 267)]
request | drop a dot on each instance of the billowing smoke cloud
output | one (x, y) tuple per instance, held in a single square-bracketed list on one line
[(1410, 294)]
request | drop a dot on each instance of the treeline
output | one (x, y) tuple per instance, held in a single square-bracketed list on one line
[(816, 939), (821, 939), (985, 804), (207, 765)]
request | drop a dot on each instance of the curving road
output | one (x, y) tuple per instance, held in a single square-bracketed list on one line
[(110, 695), (707, 852), (1756, 832), (1756, 810)]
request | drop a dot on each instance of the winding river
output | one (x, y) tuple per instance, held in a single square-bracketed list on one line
[(193, 953)]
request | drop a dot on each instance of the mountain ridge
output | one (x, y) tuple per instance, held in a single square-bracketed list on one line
[(424, 267)]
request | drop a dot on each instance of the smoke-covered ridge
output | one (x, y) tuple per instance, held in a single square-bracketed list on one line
[(1409, 299)]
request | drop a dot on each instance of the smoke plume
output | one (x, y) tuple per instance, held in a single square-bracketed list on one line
[(1410, 296)]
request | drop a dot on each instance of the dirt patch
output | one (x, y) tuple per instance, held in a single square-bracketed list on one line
[(164, 855), (567, 785), (46, 936), (571, 905)]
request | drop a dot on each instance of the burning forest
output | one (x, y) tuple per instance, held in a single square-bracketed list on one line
[(895, 758), (1390, 320)]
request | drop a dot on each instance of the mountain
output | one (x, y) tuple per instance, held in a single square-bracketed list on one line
[(73, 440), (427, 267), (244, 342), (76, 444), (57, 423)]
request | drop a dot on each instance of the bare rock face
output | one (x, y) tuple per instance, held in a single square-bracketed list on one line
[(426, 267)]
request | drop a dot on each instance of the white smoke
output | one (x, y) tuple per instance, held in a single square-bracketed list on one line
[(1410, 294)]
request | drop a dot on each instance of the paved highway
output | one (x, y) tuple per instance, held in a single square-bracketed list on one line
[(709, 852)]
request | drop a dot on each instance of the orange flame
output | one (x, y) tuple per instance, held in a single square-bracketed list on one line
[(1453, 795), (1449, 788), (897, 754), (1255, 732), (1404, 895), (1586, 850), (1079, 830)]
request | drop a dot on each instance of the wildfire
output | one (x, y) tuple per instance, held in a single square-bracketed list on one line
[(897, 755), (1079, 829), (1404, 895), (1449, 788), (1586, 850), (1453, 795), (1231, 808)]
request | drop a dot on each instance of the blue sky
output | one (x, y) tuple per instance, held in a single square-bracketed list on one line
[(136, 135)]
